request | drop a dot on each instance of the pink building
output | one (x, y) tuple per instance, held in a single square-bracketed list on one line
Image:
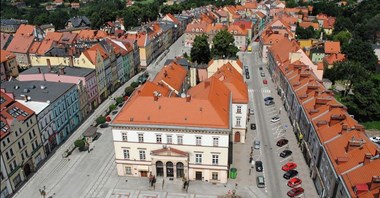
[(81, 76)]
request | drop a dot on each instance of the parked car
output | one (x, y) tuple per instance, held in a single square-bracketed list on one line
[(104, 125), (260, 68), (251, 112), (293, 182), (256, 144), (265, 81), (295, 192), (114, 112), (269, 102), (289, 174), (289, 166), (259, 166), (143, 78), (275, 119), (260, 182), (268, 98), (282, 142), (246, 69), (247, 75), (262, 74), (285, 153), (253, 126), (375, 139)]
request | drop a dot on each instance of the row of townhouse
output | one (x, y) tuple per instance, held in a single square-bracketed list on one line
[(151, 136), (343, 161)]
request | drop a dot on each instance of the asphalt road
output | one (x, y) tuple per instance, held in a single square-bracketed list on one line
[(268, 152)]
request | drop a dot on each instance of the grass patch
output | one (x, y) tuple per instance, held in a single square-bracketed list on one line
[(372, 125)]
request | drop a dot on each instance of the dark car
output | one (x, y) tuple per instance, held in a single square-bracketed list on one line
[(260, 68), (295, 192), (259, 166), (143, 78), (268, 98), (253, 126), (289, 174), (269, 102), (104, 125), (247, 75), (282, 142), (285, 153)]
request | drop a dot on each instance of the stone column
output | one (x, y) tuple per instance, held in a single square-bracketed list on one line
[(175, 170)]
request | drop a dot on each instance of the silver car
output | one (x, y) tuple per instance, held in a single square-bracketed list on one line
[(256, 144)]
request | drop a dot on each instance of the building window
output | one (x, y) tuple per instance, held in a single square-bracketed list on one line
[(11, 151), (169, 139), (238, 110), (198, 158), (198, 141), (214, 176), (215, 141), (179, 139), (126, 154), (142, 155), (141, 137), (215, 159), (124, 136), (238, 121), (158, 138), (128, 170)]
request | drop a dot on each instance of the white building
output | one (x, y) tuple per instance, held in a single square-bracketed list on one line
[(171, 136)]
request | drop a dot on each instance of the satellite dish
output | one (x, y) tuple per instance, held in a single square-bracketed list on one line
[(183, 95)]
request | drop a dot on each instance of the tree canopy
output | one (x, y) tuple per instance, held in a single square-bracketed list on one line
[(200, 52), (223, 45), (361, 52)]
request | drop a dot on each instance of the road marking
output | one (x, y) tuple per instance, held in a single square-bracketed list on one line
[(287, 158)]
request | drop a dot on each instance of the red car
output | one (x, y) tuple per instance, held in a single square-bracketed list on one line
[(265, 81), (293, 182), (289, 166), (295, 191)]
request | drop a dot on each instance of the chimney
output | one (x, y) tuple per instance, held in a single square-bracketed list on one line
[(344, 128), (188, 98), (341, 160), (155, 95), (165, 73), (354, 143), (321, 123), (375, 182), (335, 119), (360, 128), (367, 158)]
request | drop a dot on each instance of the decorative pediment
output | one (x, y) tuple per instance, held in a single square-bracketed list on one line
[(169, 152)]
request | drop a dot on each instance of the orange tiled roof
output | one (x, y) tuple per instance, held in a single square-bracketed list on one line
[(34, 48), (6, 55), (68, 38), (48, 42), (175, 20), (308, 24), (216, 27), (148, 88), (193, 27), (282, 49), (329, 23), (207, 108), (92, 34), (332, 47), (22, 40), (334, 58), (172, 75), (251, 5), (91, 53), (234, 82), (237, 30), (243, 24)]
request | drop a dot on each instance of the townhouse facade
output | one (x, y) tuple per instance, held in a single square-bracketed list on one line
[(8, 65), (22, 151), (55, 104)]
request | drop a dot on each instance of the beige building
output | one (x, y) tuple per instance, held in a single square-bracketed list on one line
[(152, 137), (21, 148)]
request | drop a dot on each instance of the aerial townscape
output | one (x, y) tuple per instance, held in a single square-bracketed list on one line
[(190, 99)]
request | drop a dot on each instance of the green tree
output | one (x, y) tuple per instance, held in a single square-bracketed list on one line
[(371, 29), (112, 107), (200, 52), (362, 52), (343, 37), (349, 73), (131, 16), (223, 45), (129, 90), (307, 33), (291, 4), (79, 143), (134, 84), (119, 100), (100, 120)]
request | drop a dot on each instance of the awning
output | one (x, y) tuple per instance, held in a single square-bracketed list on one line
[(142, 168)]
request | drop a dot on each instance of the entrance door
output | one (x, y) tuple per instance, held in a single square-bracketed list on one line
[(27, 169), (169, 169), (144, 173), (198, 175), (237, 137), (159, 168), (179, 166)]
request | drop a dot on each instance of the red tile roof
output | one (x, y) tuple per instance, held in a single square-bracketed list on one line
[(334, 58), (308, 24), (6, 55), (172, 75), (22, 40), (237, 30), (332, 47)]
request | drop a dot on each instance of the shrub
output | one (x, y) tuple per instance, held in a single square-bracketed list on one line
[(134, 84), (129, 90), (112, 107), (119, 100), (79, 143), (100, 120)]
